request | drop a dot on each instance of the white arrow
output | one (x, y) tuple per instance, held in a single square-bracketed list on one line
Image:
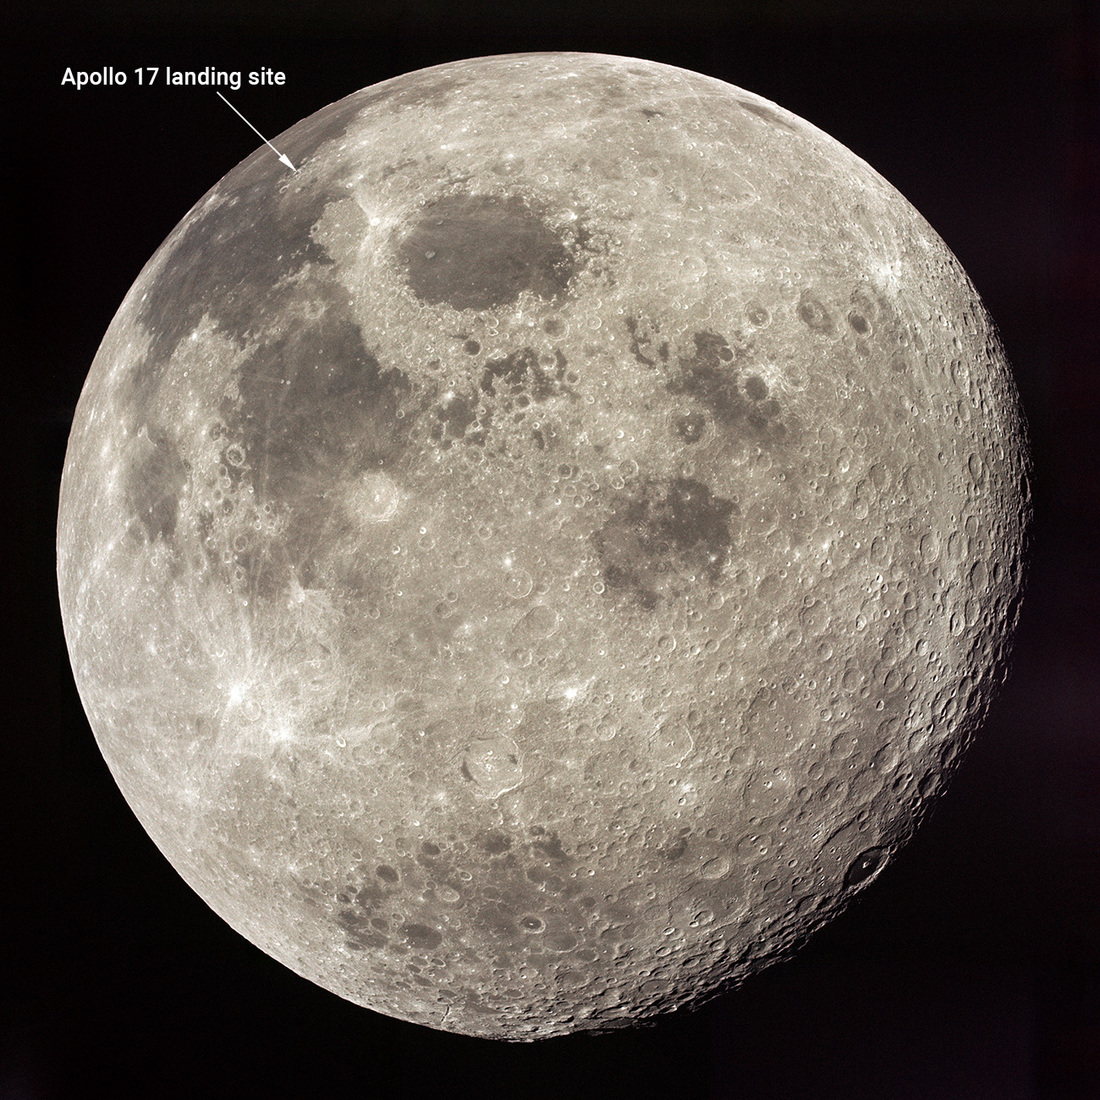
[(282, 156)]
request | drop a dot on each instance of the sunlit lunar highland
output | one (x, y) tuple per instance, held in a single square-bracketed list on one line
[(532, 565)]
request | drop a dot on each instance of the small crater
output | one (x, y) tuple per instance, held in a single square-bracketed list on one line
[(387, 874)]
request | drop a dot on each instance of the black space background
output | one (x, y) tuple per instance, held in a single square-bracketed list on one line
[(969, 971)]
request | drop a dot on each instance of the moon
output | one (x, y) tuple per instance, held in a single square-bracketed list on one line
[(533, 564)]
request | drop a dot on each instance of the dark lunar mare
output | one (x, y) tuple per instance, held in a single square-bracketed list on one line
[(482, 251), (670, 527)]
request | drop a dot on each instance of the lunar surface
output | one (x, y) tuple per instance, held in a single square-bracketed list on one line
[(534, 564)]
